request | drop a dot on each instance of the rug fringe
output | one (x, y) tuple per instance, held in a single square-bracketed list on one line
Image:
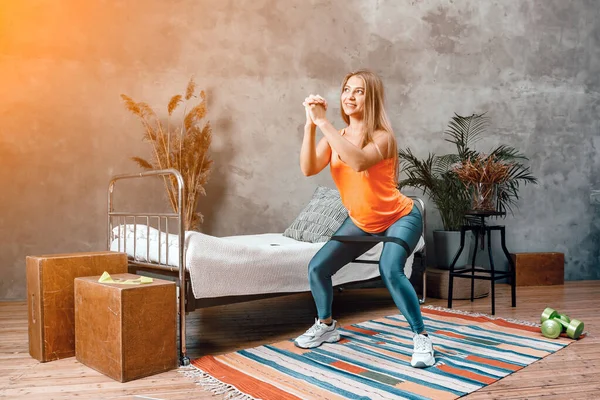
[(476, 314), (213, 385)]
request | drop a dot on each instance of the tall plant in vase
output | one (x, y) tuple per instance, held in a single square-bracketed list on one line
[(181, 144), (439, 177)]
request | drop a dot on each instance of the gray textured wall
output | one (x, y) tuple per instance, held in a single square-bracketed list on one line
[(533, 65)]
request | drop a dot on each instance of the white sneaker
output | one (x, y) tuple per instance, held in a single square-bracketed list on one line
[(318, 334), (423, 352)]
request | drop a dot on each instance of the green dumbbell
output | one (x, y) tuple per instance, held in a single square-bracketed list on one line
[(553, 324), (551, 313), (551, 329), (565, 318), (548, 313)]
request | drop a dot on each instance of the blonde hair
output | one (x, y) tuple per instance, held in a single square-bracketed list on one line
[(374, 115)]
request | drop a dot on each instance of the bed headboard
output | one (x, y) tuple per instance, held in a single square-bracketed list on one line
[(162, 221)]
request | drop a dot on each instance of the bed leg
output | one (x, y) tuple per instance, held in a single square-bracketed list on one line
[(422, 299), (184, 360)]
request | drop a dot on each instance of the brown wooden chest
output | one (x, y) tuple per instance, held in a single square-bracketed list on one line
[(126, 331), (50, 298), (539, 269)]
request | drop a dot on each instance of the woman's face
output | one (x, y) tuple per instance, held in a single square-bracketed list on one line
[(353, 96)]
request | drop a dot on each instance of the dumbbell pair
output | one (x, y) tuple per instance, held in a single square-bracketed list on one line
[(553, 324)]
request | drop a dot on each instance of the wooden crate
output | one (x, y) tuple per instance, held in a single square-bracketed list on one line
[(539, 269), (50, 298), (124, 331)]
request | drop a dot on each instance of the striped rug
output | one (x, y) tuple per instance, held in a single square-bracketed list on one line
[(372, 361)]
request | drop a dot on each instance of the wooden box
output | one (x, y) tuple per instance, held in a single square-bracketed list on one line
[(539, 269), (50, 298), (126, 331)]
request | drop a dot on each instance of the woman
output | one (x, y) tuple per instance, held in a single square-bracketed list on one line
[(363, 160)]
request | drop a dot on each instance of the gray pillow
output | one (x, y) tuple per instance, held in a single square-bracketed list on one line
[(320, 219)]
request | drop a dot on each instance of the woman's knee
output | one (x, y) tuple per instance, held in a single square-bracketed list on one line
[(389, 271), (317, 269)]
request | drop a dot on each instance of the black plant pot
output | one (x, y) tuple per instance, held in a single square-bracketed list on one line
[(445, 246)]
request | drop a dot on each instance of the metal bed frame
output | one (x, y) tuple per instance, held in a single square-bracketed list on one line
[(186, 301)]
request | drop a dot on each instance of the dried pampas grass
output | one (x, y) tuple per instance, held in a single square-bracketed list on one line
[(183, 146)]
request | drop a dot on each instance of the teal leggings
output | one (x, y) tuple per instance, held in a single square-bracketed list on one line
[(335, 254)]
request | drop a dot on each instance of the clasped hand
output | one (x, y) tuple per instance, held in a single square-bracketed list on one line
[(315, 107)]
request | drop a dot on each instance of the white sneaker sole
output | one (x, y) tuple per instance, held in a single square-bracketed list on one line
[(330, 337), (428, 362)]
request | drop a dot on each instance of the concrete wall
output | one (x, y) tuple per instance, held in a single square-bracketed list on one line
[(533, 65)]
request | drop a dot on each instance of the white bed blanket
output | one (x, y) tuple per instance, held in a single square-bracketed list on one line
[(244, 264)]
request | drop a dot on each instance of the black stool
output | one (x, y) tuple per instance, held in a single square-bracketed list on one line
[(483, 273)]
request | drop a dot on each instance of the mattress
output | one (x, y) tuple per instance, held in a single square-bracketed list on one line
[(242, 264)]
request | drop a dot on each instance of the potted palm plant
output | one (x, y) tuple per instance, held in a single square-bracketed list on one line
[(439, 177)]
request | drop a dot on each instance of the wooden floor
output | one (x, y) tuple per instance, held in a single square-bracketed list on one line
[(572, 373)]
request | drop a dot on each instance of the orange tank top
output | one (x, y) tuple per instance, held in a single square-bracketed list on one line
[(373, 200)]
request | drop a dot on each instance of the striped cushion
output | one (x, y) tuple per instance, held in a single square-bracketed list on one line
[(320, 219)]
